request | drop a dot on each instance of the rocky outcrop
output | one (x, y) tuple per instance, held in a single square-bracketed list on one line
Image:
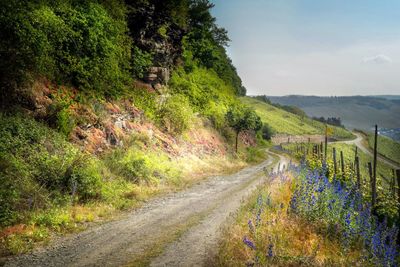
[(158, 77)]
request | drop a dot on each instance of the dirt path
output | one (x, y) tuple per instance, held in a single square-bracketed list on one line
[(359, 142), (180, 229)]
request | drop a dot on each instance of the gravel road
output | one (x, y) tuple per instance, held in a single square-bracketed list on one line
[(180, 229), (359, 142)]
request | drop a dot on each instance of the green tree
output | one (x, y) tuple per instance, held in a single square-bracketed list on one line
[(240, 119)]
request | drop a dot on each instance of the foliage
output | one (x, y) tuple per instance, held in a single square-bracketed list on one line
[(55, 170), (242, 118), (141, 61), (343, 211), (265, 233), (175, 115), (79, 43), (330, 120), (266, 132)]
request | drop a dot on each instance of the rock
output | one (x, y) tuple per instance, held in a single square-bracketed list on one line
[(158, 75)]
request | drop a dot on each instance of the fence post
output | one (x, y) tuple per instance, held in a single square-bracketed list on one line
[(393, 185), (342, 162), (357, 163), (373, 186), (375, 151), (334, 162), (398, 200), (326, 144)]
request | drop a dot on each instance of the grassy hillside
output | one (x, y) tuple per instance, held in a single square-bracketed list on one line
[(386, 147), (284, 122), (96, 118)]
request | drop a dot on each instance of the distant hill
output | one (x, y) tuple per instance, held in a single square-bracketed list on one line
[(361, 112), (284, 122)]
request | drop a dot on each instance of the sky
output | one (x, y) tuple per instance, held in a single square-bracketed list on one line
[(314, 47)]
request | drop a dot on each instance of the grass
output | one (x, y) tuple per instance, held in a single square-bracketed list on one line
[(284, 122), (387, 147), (295, 241)]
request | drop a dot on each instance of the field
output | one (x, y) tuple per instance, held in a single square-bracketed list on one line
[(287, 123)]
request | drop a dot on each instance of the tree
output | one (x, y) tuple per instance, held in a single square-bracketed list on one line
[(242, 119)]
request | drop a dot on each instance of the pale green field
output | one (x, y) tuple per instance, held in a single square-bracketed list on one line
[(282, 121)]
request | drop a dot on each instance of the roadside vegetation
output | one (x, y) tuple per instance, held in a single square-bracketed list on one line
[(309, 217), (386, 203), (85, 134)]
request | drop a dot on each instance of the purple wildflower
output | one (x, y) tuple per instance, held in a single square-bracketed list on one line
[(249, 243)]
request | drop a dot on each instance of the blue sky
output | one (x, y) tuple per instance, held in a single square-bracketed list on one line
[(317, 47)]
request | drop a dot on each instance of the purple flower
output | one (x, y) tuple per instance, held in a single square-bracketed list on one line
[(249, 243), (270, 252)]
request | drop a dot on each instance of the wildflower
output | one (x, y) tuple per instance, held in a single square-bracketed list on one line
[(258, 217), (270, 252), (249, 243), (347, 220)]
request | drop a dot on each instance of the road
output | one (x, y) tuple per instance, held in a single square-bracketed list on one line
[(359, 142), (180, 229)]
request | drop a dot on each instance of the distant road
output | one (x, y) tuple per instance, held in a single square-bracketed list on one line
[(359, 142)]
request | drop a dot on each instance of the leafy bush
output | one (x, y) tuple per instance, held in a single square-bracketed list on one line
[(40, 168), (77, 42), (176, 114), (266, 132), (141, 61)]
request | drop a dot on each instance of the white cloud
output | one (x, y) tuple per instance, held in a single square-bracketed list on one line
[(378, 59)]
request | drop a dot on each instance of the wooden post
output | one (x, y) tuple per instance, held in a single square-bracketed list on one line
[(357, 163), (356, 153), (373, 186), (326, 143), (393, 185), (334, 162), (398, 200), (342, 162), (375, 151)]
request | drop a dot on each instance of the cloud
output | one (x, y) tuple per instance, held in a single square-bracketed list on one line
[(378, 59)]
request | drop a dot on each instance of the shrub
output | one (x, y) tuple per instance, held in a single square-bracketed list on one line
[(266, 132), (77, 42), (39, 169), (176, 114)]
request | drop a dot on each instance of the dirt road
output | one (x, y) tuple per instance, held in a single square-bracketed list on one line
[(180, 229), (359, 142)]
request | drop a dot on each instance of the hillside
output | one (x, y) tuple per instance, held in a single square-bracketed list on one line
[(283, 122), (361, 112), (104, 105)]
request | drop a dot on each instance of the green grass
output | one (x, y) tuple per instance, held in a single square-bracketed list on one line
[(285, 122), (387, 147)]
